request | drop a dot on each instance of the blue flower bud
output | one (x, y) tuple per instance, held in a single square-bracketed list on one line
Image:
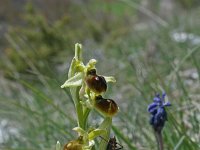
[(158, 112)]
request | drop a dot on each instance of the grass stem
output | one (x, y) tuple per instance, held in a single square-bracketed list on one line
[(159, 140)]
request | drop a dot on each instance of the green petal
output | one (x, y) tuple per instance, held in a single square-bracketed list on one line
[(58, 147), (73, 81), (71, 68), (109, 79), (80, 131), (91, 64), (95, 133), (78, 51)]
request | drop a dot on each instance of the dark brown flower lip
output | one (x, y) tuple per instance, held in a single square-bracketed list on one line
[(107, 107), (96, 83)]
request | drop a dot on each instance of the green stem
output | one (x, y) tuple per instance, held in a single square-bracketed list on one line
[(106, 125), (85, 116), (78, 106), (75, 91)]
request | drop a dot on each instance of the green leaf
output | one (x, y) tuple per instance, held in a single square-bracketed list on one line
[(179, 143), (106, 124)]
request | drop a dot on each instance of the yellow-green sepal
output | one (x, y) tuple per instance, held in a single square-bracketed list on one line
[(74, 81)]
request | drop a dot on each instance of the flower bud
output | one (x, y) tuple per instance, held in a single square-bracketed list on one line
[(74, 145), (107, 107), (95, 83), (158, 113)]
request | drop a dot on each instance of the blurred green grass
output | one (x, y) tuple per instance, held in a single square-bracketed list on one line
[(143, 54)]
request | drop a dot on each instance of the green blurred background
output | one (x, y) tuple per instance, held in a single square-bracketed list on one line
[(148, 46)]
